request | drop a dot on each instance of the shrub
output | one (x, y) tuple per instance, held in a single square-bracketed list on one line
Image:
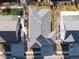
[(9, 11)]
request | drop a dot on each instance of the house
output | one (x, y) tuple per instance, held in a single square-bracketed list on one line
[(10, 37), (69, 26), (41, 37), (69, 31)]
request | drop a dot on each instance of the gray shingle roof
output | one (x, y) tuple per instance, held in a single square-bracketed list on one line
[(39, 24), (74, 49), (71, 22), (8, 25), (8, 29), (72, 28), (8, 36), (42, 40), (72, 36)]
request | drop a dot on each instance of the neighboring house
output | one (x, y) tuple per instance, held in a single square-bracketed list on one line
[(12, 43), (69, 31), (69, 26)]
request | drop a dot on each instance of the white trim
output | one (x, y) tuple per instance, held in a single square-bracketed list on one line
[(64, 13)]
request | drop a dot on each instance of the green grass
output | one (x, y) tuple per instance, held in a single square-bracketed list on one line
[(11, 12)]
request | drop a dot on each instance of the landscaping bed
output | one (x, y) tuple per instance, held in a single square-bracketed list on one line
[(9, 11)]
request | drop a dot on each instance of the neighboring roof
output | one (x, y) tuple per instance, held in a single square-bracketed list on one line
[(71, 22), (8, 29), (74, 49), (69, 27), (8, 23), (8, 36), (72, 36)]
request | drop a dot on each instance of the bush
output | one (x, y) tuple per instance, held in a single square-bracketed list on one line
[(6, 11), (9, 11)]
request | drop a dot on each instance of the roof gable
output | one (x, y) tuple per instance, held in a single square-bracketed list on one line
[(72, 36), (42, 40), (36, 45), (8, 36)]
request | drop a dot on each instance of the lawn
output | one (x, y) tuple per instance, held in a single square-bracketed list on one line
[(11, 12)]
